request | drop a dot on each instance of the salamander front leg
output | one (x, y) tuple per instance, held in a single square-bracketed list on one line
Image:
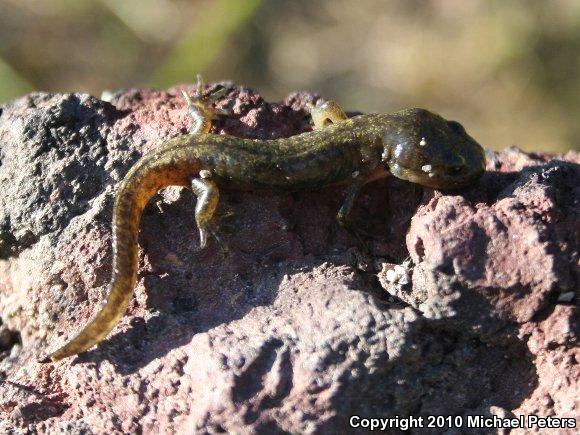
[(207, 200), (326, 113), (343, 213)]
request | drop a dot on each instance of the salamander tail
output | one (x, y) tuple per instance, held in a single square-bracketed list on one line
[(126, 216)]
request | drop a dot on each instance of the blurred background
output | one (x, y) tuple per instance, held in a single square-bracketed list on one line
[(508, 70)]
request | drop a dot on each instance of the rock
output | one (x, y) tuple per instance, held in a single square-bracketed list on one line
[(292, 332)]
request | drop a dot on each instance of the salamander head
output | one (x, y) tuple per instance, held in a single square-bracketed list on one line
[(424, 148)]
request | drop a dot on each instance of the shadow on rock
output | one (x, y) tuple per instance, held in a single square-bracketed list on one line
[(449, 367)]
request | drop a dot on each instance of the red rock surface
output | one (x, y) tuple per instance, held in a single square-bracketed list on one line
[(293, 331)]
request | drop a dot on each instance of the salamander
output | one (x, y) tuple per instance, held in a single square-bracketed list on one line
[(413, 144)]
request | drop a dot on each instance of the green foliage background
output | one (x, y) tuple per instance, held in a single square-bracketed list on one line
[(508, 70)]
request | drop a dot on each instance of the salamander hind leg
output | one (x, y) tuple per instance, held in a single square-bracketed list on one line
[(326, 113), (201, 107), (205, 210)]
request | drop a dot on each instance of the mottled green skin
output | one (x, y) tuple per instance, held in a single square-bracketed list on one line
[(360, 148), (414, 144)]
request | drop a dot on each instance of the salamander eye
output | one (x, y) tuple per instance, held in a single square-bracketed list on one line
[(456, 127), (455, 170)]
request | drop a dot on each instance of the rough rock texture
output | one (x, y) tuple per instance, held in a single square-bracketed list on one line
[(301, 326)]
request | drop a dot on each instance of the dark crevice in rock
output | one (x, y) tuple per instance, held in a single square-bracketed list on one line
[(8, 338), (36, 412)]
